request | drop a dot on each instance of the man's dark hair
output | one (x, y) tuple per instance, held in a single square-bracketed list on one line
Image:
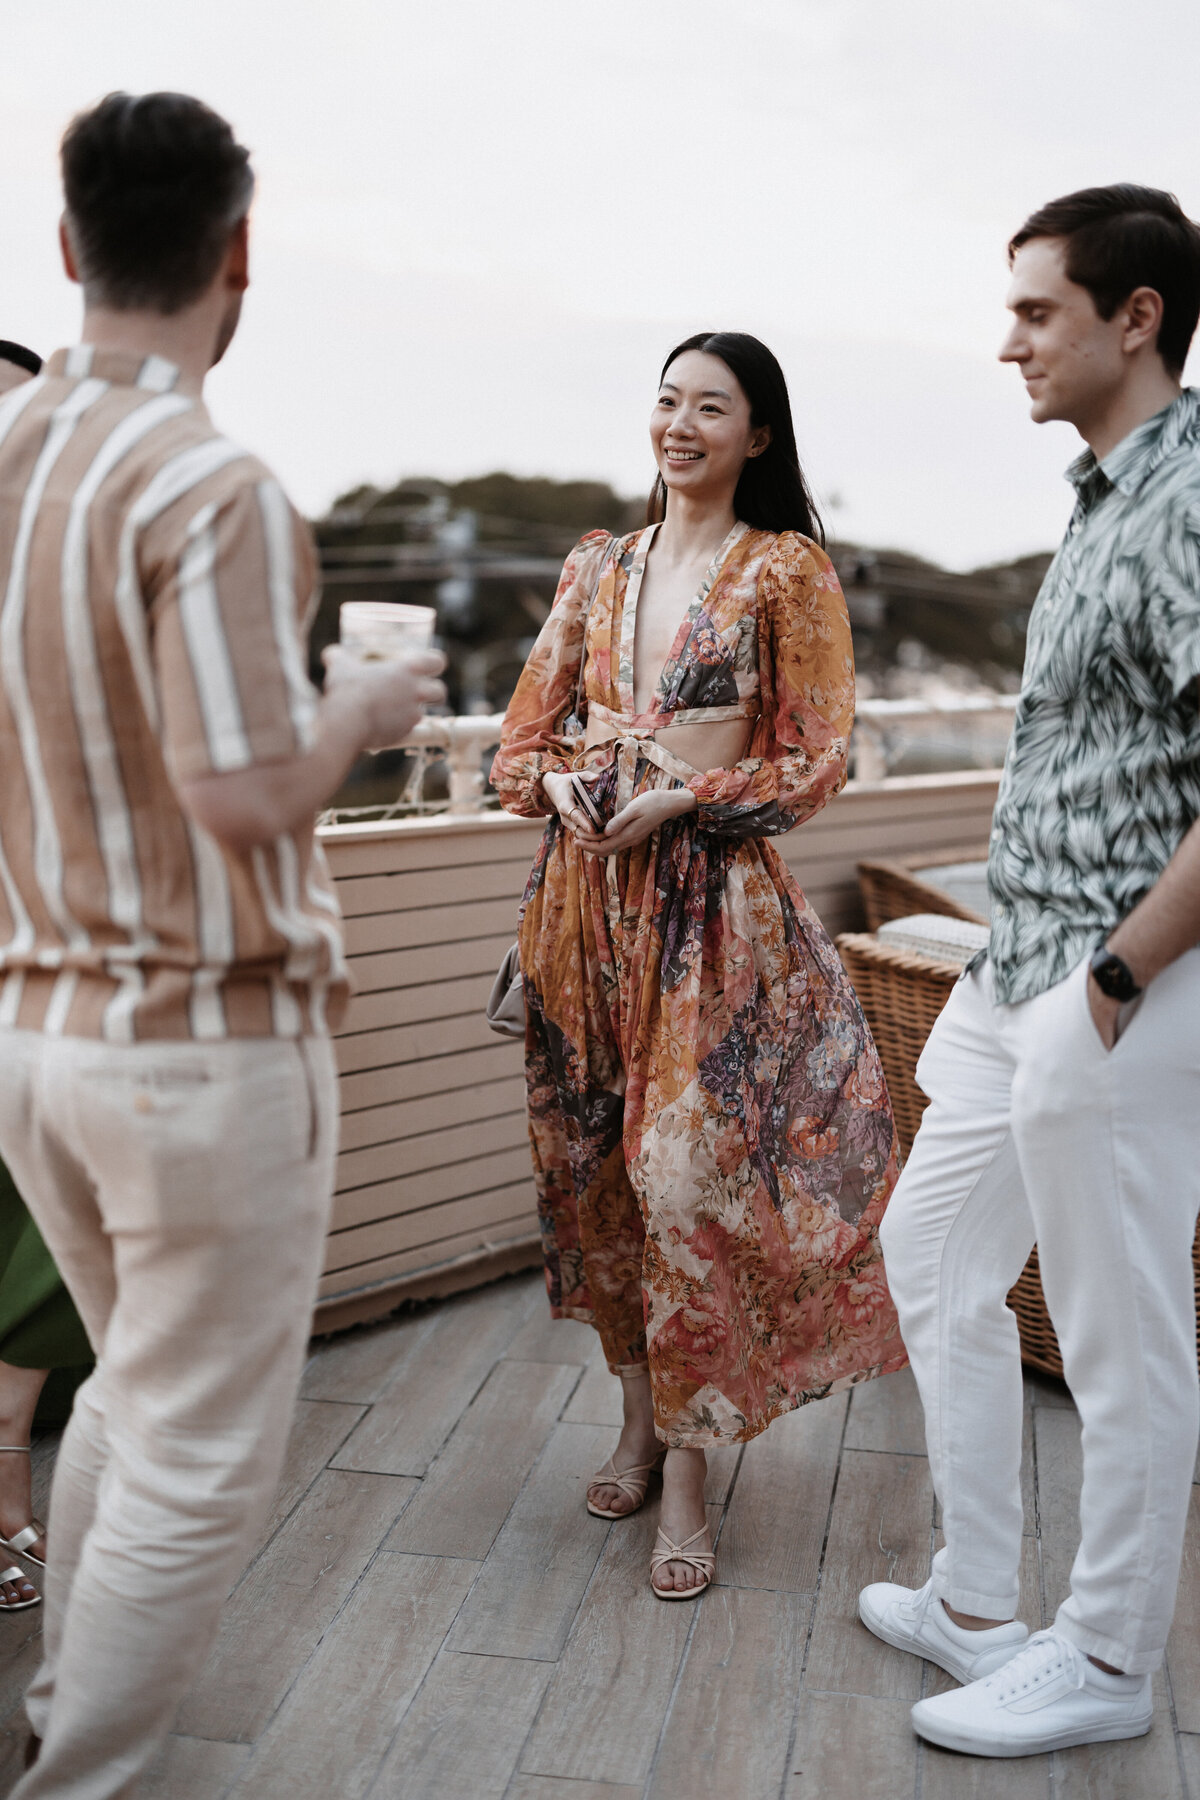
[(18, 354), (1124, 237), (154, 185)]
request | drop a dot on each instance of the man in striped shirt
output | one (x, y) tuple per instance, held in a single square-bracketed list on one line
[(170, 949)]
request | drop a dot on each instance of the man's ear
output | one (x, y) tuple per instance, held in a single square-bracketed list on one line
[(68, 255), (237, 258), (1143, 318)]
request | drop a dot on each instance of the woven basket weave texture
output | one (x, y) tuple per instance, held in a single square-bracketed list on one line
[(902, 994)]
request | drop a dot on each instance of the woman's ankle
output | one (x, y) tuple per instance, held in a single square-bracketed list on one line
[(686, 1469)]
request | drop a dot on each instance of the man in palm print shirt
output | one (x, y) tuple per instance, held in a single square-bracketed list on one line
[(1064, 1073)]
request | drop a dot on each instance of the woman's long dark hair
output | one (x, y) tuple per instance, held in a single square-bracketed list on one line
[(771, 493)]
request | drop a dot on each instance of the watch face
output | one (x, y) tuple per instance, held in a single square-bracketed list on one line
[(1113, 976)]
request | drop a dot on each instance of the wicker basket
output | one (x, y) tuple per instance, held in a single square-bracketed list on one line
[(891, 891), (902, 994)]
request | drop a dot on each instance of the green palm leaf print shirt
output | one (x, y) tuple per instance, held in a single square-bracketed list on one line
[(1102, 777)]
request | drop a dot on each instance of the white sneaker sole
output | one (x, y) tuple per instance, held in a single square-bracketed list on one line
[(972, 1744), (914, 1647)]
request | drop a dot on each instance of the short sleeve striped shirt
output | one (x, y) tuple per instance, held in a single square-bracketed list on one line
[(1102, 779), (155, 591)]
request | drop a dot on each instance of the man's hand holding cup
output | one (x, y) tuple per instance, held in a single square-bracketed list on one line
[(385, 663)]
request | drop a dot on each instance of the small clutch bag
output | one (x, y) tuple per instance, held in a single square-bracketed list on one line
[(505, 1011)]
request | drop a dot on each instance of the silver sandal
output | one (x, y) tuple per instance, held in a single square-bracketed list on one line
[(18, 1544), (19, 1579)]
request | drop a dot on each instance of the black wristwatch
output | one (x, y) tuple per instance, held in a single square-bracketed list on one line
[(1113, 975)]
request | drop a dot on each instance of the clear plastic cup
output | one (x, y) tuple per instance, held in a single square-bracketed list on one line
[(382, 631)]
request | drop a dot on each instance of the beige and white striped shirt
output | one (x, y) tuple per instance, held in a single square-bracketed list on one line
[(155, 590)]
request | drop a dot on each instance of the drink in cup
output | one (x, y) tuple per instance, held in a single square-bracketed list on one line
[(381, 631)]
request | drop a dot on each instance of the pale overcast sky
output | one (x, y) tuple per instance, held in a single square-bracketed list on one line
[(479, 226)]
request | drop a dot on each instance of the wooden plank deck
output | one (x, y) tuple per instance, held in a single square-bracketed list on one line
[(432, 1615)]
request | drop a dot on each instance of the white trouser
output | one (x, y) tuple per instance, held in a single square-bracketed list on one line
[(183, 1190), (1035, 1131)]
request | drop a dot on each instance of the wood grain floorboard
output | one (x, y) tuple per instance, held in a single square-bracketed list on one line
[(1060, 1471), (464, 1732), (775, 1525), (1189, 1756), (1147, 1765), (20, 1654), (729, 1727), (537, 1572), (1183, 1646), (543, 1339), (597, 1399), (886, 1414), (724, 1462), (446, 1620), (318, 1431), (879, 1531), (436, 1377), (548, 1787), (850, 1748), (276, 1617), (1029, 1464), (193, 1769), (333, 1731), (608, 1697), (361, 1364), (469, 1491), (945, 1776), (14, 1735)]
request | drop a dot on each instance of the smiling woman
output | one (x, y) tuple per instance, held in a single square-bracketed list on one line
[(711, 1133), (770, 489)]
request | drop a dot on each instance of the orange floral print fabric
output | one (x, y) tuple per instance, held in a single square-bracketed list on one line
[(711, 1133)]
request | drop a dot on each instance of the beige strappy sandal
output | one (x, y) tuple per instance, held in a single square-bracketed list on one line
[(18, 1544), (633, 1481), (703, 1561)]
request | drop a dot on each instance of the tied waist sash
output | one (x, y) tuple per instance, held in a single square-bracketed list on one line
[(628, 741)]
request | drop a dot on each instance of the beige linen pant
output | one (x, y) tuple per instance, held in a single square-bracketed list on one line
[(183, 1190)]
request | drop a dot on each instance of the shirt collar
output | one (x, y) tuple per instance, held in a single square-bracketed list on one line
[(1131, 462), (120, 368)]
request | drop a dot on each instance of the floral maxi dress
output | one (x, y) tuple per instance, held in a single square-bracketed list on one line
[(712, 1140)]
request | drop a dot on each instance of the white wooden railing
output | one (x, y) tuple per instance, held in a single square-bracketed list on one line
[(966, 732), (975, 727)]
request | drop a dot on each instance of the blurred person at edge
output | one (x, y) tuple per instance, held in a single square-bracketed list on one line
[(44, 1351), (1064, 1073), (172, 956)]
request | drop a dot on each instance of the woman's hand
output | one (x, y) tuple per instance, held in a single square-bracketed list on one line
[(558, 791), (640, 819)]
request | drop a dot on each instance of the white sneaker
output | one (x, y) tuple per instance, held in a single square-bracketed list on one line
[(915, 1620), (1047, 1697)]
